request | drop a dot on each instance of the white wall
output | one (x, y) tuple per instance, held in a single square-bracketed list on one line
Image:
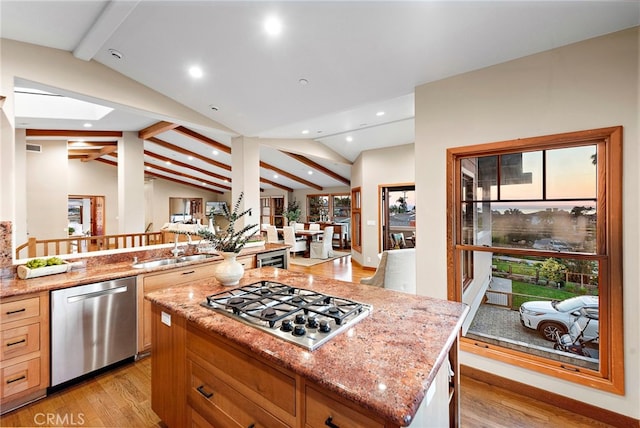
[(47, 191), (588, 85), (392, 165)]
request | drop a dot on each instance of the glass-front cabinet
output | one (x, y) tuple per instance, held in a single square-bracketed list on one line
[(271, 210)]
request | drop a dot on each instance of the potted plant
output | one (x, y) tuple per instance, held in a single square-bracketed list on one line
[(229, 242), (293, 212)]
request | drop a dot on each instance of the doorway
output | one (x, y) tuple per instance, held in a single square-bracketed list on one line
[(86, 215), (398, 216)]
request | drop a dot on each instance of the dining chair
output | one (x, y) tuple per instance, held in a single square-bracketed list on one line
[(290, 239), (314, 226), (323, 249), (272, 235), (396, 271)]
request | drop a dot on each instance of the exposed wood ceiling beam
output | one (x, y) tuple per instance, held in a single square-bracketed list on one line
[(213, 143), (274, 184), (80, 144), (189, 153), (155, 129), (305, 160), (181, 174), (291, 176), (186, 183), (70, 133), (208, 189), (103, 151), (186, 165)]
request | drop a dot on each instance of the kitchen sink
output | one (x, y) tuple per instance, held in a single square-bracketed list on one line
[(171, 261)]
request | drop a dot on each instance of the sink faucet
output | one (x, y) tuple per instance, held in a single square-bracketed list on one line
[(177, 251)]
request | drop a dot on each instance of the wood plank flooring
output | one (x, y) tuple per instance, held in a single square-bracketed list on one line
[(122, 397)]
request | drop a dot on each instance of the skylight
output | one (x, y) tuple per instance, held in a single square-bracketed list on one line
[(40, 104)]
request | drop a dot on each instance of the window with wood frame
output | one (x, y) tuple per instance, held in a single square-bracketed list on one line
[(535, 249)]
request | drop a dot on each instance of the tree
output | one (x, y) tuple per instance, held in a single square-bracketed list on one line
[(402, 208), (553, 270)]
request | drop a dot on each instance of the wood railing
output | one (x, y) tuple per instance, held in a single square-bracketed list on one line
[(83, 244)]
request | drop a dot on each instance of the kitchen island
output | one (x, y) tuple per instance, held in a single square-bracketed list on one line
[(388, 369)]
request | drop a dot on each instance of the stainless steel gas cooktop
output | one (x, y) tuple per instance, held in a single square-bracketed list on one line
[(304, 317)]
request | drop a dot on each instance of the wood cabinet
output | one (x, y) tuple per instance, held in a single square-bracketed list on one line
[(24, 360), (271, 210), (214, 382), (165, 279)]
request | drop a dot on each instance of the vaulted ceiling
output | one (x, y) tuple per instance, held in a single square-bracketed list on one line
[(340, 74)]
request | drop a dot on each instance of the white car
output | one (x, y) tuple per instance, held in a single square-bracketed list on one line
[(551, 318)]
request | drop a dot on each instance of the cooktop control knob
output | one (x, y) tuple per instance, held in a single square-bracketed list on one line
[(300, 319), (312, 322), (299, 330), (286, 325), (324, 326)]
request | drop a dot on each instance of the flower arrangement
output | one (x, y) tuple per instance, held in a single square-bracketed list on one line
[(229, 240), (293, 211)]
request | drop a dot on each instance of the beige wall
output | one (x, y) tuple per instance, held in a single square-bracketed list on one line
[(591, 84), (392, 165)]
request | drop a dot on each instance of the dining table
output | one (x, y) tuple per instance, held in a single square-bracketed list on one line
[(308, 234)]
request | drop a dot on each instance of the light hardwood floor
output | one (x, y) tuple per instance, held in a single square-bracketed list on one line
[(122, 397)]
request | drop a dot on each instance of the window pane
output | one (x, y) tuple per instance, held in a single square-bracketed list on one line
[(487, 167), (564, 227), (529, 300), (571, 173), (341, 208), (521, 176)]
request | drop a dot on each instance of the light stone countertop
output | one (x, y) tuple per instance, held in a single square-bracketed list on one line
[(385, 363)]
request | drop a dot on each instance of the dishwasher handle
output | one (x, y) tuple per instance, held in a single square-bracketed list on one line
[(95, 294)]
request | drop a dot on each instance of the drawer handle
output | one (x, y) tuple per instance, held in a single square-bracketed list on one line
[(203, 392), (16, 379), (16, 311), (329, 422), (16, 343), (188, 273), (252, 426)]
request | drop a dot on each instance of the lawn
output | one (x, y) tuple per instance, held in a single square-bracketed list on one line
[(535, 290)]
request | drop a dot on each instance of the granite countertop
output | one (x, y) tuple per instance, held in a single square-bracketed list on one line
[(385, 363), (104, 268)]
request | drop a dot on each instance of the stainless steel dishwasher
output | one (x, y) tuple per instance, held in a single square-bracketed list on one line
[(92, 326)]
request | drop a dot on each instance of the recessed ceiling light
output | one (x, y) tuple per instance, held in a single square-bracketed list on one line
[(148, 168), (380, 113), (349, 138), (116, 54), (310, 172), (303, 82), (215, 152), (204, 184), (167, 163), (190, 157), (196, 72), (306, 131), (87, 125), (275, 175), (273, 25)]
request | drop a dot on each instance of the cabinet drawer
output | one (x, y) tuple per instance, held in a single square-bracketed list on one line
[(322, 410), (20, 377), (219, 402), (253, 376), (19, 309), (20, 340), (178, 276)]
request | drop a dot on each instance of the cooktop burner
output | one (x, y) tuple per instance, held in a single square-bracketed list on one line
[(304, 317)]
